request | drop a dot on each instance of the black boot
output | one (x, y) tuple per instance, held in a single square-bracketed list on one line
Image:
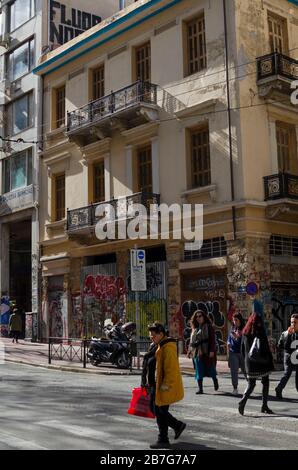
[(216, 386), (241, 405), (265, 409), (200, 384), (249, 389)]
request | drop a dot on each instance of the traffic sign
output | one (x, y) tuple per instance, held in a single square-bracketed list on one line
[(138, 270), (252, 288)]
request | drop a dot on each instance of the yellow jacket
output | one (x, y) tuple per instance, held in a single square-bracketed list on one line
[(168, 375)]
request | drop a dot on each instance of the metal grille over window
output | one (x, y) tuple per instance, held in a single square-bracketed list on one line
[(283, 246), (212, 248)]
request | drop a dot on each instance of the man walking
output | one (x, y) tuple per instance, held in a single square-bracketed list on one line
[(169, 386), (288, 342), (15, 325)]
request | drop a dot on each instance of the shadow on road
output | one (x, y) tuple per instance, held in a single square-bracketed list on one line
[(190, 446)]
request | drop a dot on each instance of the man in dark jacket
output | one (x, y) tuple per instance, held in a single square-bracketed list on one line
[(15, 325), (288, 343)]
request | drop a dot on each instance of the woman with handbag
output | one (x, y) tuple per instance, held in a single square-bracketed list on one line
[(258, 360), (203, 349)]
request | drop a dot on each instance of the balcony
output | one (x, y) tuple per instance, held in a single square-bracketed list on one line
[(281, 192), (81, 222), (124, 109), (275, 73)]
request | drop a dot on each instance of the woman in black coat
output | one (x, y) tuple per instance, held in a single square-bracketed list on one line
[(258, 360)]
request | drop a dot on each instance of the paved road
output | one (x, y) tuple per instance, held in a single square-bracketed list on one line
[(45, 409)]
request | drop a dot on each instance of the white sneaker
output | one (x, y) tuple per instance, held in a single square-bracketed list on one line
[(235, 391)]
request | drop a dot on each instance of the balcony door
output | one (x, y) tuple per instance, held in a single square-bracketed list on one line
[(278, 34), (286, 148)]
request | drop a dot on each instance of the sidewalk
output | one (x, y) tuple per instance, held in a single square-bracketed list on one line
[(36, 354)]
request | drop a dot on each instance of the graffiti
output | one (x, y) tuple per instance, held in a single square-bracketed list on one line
[(153, 278), (103, 297), (56, 321), (77, 330), (151, 310), (206, 284), (104, 287), (284, 304)]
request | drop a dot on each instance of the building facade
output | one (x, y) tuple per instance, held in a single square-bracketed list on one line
[(28, 29), (172, 102)]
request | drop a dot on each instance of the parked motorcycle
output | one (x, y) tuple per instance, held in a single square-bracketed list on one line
[(115, 348)]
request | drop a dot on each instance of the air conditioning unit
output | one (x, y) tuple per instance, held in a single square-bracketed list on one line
[(5, 40)]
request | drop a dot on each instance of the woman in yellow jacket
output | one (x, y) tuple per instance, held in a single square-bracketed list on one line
[(169, 386)]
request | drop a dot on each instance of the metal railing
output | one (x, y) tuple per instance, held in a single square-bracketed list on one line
[(276, 63), (122, 208), (283, 246), (75, 350), (212, 248), (138, 92), (281, 185)]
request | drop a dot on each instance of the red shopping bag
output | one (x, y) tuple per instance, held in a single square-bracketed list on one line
[(140, 403)]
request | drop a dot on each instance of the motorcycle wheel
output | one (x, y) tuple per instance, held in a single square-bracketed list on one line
[(123, 361), (93, 362)]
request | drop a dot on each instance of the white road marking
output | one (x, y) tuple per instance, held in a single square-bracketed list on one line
[(12, 441)]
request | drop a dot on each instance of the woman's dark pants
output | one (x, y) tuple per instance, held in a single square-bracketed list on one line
[(164, 419)]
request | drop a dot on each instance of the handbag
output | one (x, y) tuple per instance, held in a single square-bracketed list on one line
[(255, 354), (140, 403)]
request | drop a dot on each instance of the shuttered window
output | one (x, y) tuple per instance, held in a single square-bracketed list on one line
[(60, 106), (99, 182), (196, 45), (143, 62), (145, 169), (200, 157), (278, 36), (98, 83), (59, 197)]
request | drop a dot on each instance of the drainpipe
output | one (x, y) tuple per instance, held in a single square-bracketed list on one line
[(229, 121), (121, 4), (40, 120)]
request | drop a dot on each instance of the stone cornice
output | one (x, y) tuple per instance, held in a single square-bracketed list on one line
[(96, 150), (139, 134)]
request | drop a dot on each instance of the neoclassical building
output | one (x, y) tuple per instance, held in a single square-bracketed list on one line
[(173, 102)]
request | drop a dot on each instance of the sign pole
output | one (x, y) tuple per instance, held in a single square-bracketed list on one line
[(138, 323)]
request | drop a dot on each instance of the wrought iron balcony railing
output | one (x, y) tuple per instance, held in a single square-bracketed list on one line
[(274, 64), (281, 185), (122, 208), (137, 93)]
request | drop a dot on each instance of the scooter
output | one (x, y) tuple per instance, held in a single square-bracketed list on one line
[(115, 348)]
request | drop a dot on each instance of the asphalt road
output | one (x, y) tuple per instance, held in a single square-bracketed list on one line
[(44, 409)]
